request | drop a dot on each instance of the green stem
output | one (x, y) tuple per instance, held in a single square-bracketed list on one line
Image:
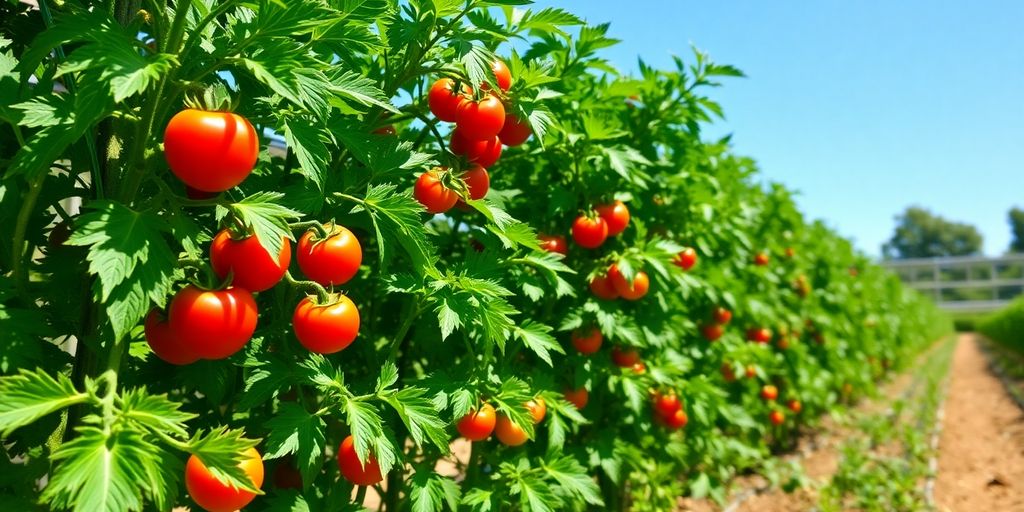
[(20, 272), (409, 314), (322, 294), (361, 495)]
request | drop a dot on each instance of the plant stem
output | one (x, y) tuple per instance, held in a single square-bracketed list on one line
[(18, 268), (322, 294)]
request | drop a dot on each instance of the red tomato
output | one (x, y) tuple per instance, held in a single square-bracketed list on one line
[(629, 291), (667, 405), (603, 289), (443, 99), (333, 260), (587, 342), (721, 315), (515, 131), (776, 417), (782, 343), (210, 151), (328, 328), (728, 373), (769, 392), (432, 193), (589, 232), (216, 496), (759, 334), (712, 332), (163, 342), (355, 471), (686, 258), (509, 433), (761, 259), (616, 215), (484, 152), (795, 406), (502, 75), (213, 324), (538, 409), (624, 358), (480, 120), (751, 371), (478, 424), (250, 265), (676, 420), (578, 397), (553, 243), (640, 368), (477, 181)]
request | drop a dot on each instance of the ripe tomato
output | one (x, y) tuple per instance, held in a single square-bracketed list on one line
[(751, 371), (776, 417), (353, 470), (553, 243), (210, 151), (484, 152), (616, 215), (480, 120), (629, 291), (721, 315), (333, 260), (602, 288), (625, 357), (769, 392), (213, 324), (728, 373), (712, 332), (639, 368), (782, 343), (509, 433), (502, 75), (164, 343), (759, 334), (478, 424), (686, 258), (443, 99), (327, 328), (216, 496), (250, 265), (676, 420), (589, 232), (477, 181), (432, 193), (667, 405), (515, 131), (587, 342), (795, 406), (578, 397), (761, 259), (538, 409)]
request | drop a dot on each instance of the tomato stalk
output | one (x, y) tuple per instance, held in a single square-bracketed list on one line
[(323, 296), (35, 186)]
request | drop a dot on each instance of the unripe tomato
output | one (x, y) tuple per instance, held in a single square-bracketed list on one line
[(553, 243), (761, 259), (515, 131), (751, 371), (164, 343), (538, 409), (327, 328), (213, 324), (249, 264), (667, 405), (629, 291), (478, 182), (509, 433), (712, 332), (686, 258), (776, 418), (602, 288), (721, 315), (480, 120), (353, 470), (478, 424), (625, 357), (676, 420), (332, 261), (503, 77), (578, 397), (769, 392), (216, 496), (443, 99), (432, 193), (210, 151), (616, 215), (587, 342), (795, 406), (790, 252), (589, 232), (484, 152)]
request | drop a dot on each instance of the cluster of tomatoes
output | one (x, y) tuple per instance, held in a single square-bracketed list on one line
[(668, 410), (482, 126), (712, 330), (480, 423)]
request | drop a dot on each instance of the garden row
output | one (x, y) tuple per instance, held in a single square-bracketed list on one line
[(477, 228)]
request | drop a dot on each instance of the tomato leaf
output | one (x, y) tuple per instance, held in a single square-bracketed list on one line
[(420, 416), (221, 451), (396, 219), (30, 395), (293, 430), (154, 412), (431, 492), (307, 143), (573, 477), (268, 220), (536, 336)]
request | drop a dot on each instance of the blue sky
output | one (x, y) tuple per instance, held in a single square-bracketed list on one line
[(863, 106)]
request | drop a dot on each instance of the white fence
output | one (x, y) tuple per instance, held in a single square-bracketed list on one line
[(971, 283)]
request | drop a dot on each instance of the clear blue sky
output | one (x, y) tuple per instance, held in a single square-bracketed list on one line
[(863, 106)]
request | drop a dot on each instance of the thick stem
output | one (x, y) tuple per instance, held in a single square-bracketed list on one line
[(18, 267)]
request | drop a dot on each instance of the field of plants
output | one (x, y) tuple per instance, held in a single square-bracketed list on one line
[(281, 254)]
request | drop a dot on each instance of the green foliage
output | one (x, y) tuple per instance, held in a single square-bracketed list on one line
[(1006, 326)]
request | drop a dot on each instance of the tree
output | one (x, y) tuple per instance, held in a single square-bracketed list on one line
[(922, 234), (1016, 217)]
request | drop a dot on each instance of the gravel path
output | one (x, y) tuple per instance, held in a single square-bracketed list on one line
[(981, 450)]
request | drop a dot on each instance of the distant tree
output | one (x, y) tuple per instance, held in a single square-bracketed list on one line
[(1016, 229), (922, 234)]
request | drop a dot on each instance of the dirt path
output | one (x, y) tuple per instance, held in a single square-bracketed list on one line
[(981, 450)]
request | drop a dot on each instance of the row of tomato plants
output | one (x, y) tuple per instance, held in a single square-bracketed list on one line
[(570, 276)]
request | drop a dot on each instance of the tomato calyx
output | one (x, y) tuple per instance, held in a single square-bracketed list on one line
[(215, 98)]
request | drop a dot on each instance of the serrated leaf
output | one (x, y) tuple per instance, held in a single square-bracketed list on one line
[(306, 142), (396, 219), (263, 214), (221, 451), (419, 416), (430, 492), (29, 395), (155, 412), (573, 477), (294, 431), (536, 336)]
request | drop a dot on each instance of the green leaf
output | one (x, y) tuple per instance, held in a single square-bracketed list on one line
[(573, 477), (154, 412), (387, 378), (430, 492), (221, 451), (396, 219), (268, 220), (536, 336), (420, 416), (293, 430), (359, 89), (307, 143), (30, 395), (368, 434)]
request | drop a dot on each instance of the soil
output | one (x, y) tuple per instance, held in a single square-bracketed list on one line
[(981, 449)]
